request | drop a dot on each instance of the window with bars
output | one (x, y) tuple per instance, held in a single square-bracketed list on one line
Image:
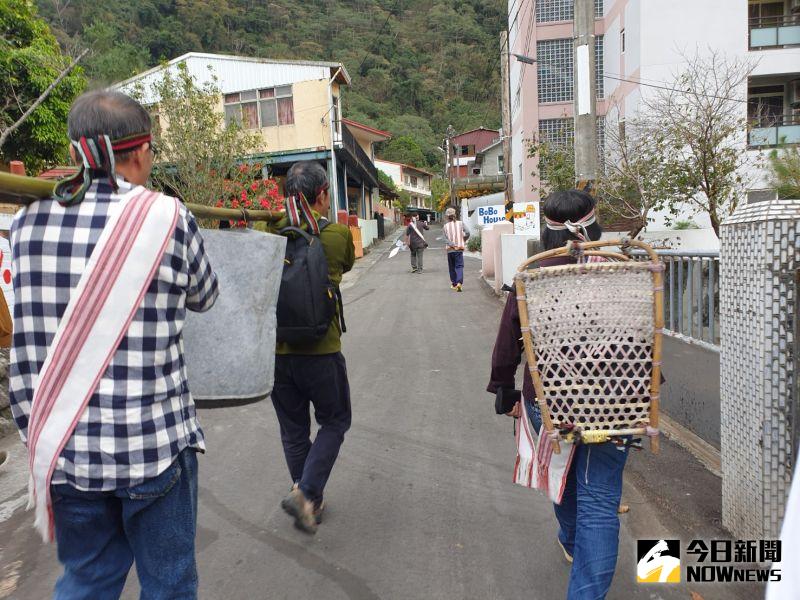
[(558, 132), (555, 69), (255, 109), (548, 11), (598, 67), (561, 132)]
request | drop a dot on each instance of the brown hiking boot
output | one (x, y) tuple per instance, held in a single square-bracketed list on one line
[(319, 508), (302, 509)]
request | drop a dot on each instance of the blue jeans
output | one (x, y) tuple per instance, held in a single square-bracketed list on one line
[(455, 262), (301, 381), (587, 516), (100, 534)]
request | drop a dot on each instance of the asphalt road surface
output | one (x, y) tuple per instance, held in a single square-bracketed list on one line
[(420, 503)]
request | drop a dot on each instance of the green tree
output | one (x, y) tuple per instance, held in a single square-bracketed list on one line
[(404, 149), (784, 164), (440, 192), (408, 83), (203, 156), (113, 58), (555, 165), (402, 201), (39, 85)]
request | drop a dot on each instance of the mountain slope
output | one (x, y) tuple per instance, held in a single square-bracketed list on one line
[(417, 66)]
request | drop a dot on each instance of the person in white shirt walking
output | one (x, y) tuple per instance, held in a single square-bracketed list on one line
[(456, 237)]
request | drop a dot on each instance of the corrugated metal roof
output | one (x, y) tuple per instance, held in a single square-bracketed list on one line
[(237, 73)]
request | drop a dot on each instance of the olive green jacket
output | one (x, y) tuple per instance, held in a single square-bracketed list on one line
[(337, 242)]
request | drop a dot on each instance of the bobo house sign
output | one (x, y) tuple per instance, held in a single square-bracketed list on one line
[(489, 215)]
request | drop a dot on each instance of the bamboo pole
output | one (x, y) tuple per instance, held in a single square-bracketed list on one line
[(21, 190), (530, 356), (655, 382)]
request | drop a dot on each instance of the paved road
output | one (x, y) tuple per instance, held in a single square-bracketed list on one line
[(420, 504)]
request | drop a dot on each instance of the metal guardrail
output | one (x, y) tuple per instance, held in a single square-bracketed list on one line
[(774, 130), (780, 30), (691, 295)]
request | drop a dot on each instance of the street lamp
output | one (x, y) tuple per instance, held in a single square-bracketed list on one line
[(524, 59)]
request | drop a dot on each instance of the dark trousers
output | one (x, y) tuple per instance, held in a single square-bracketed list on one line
[(455, 262), (416, 258), (299, 382)]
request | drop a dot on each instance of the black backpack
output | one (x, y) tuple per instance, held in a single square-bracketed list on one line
[(308, 299)]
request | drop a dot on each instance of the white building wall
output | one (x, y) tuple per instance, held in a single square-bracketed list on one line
[(393, 170)]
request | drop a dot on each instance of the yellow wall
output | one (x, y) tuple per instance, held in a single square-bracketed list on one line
[(310, 106)]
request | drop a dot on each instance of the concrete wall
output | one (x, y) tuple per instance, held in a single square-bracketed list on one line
[(691, 394), (369, 231)]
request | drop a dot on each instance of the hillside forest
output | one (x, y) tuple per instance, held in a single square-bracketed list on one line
[(417, 65)]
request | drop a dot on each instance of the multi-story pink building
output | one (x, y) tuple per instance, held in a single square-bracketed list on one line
[(641, 45)]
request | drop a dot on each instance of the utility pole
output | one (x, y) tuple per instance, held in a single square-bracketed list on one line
[(450, 161), (505, 95), (584, 94)]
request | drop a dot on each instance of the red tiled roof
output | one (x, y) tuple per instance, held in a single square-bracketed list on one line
[(58, 173), (372, 130)]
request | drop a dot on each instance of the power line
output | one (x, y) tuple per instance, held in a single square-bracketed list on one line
[(504, 45), (528, 40)]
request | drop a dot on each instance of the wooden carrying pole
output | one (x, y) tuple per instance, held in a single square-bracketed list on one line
[(17, 189), (590, 249)]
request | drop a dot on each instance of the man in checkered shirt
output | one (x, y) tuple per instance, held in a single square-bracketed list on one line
[(125, 485)]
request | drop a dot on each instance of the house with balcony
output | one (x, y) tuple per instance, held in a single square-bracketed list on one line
[(466, 157), (773, 88), (295, 107), (415, 181), (638, 47)]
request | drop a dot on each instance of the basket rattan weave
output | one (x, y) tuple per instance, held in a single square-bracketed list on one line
[(592, 335)]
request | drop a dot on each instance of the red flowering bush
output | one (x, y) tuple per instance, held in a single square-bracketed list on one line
[(250, 193)]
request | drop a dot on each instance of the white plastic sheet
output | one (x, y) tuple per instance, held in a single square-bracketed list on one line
[(230, 350)]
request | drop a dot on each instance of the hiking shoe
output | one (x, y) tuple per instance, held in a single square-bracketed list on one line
[(298, 506), (319, 508), (567, 555), (458, 288)]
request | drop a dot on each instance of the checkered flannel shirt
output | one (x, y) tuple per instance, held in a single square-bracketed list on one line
[(141, 416)]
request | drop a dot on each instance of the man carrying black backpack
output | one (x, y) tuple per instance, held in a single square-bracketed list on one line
[(309, 365)]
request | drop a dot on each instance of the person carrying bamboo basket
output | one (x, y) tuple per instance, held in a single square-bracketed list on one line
[(104, 272), (583, 480)]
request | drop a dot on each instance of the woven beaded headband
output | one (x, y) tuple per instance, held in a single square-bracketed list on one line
[(97, 154), (577, 228)]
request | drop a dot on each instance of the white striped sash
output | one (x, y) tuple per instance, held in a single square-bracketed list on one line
[(97, 317), (537, 466)]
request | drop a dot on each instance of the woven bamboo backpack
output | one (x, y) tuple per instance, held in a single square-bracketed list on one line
[(592, 336)]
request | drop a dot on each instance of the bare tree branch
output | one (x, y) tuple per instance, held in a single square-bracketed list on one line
[(6, 133)]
